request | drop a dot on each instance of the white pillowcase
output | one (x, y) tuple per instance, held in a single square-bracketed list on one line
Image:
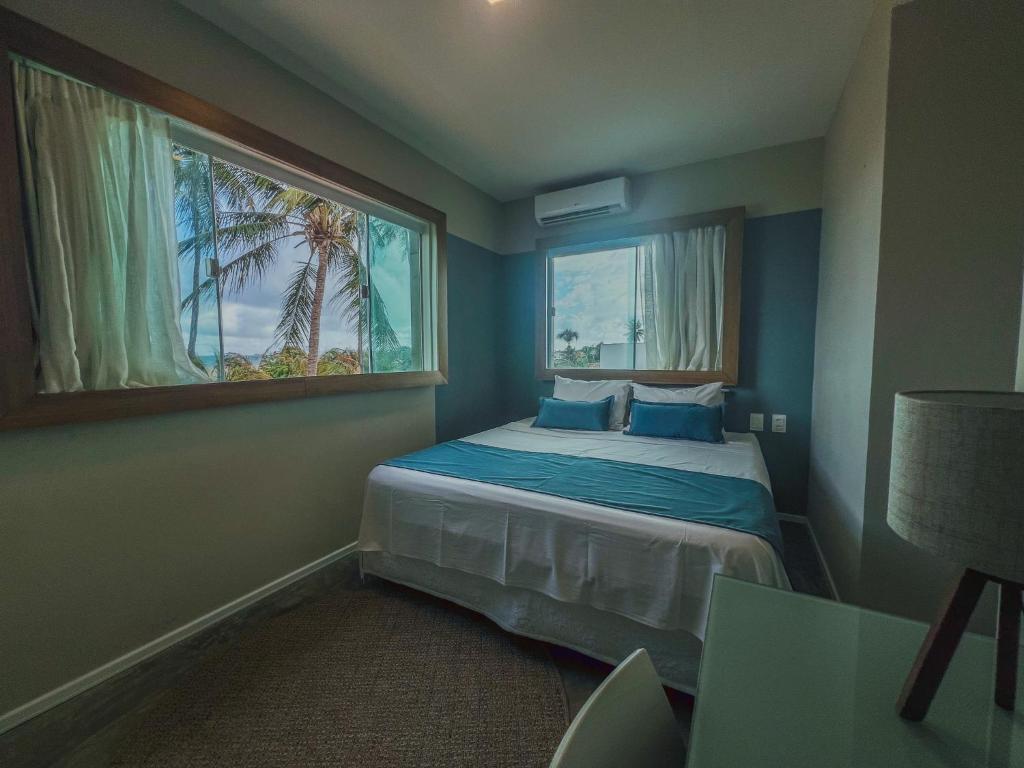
[(590, 391), (705, 394)]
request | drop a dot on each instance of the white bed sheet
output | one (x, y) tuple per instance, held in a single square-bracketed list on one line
[(657, 571)]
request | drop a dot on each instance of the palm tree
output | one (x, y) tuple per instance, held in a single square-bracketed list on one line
[(255, 216), (634, 330), (568, 357), (194, 212)]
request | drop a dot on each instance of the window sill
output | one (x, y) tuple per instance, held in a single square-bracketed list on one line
[(73, 407)]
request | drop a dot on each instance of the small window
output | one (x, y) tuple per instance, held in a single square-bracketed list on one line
[(657, 304), (162, 254)]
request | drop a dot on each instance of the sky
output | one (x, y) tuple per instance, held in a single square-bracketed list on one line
[(594, 295)]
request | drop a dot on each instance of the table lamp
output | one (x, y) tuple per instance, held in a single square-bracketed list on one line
[(956, 489)]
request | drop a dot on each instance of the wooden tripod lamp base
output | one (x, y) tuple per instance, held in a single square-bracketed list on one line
[(944, 636)]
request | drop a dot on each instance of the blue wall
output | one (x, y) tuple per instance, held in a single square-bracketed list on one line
[(470, 401), (777, 316)]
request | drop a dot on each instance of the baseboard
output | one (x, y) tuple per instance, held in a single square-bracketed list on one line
[(70, 689), (817, 548), (790, 518)]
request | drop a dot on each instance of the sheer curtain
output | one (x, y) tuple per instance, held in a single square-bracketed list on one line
[(99, 189), (683, 293)]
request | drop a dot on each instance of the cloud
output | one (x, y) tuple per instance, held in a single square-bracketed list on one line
[(594, 294)]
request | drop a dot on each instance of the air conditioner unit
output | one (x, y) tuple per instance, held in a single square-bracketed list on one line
[(603, 198)]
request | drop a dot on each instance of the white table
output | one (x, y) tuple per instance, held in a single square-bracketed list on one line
[(791, 680)]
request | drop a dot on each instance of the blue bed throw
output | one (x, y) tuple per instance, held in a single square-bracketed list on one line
[(727, 502)]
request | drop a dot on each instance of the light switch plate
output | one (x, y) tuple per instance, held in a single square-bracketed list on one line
[(778, 422), (757, 422)]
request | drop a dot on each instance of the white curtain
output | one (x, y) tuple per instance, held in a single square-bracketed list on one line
[(99, 190), (683, 292)]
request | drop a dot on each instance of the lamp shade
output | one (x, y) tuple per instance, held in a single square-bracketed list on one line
[(956, 484)]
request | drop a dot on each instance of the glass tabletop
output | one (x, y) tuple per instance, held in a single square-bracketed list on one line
[(793, 680)]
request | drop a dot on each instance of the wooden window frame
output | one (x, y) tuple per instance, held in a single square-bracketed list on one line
[(731, 218), (20, 404)]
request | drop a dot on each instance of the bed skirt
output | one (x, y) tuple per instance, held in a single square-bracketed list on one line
[(608, 637)]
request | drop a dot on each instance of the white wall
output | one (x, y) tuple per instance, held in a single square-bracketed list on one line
[(847, 280), (952, 240), (115, 534), (779, 179)]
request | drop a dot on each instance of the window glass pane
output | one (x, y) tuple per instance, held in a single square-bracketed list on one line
[(291, 277), (595, 322), (194, 224), (395, 313)]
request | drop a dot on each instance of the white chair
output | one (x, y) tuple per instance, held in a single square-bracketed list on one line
[(626, 723)]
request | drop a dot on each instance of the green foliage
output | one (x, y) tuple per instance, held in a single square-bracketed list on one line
[(570, 357), (288, 361), (338, 362), (392, 360), (239, 368), (591, 355)]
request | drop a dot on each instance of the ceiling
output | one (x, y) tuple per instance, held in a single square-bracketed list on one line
[(529, 95)]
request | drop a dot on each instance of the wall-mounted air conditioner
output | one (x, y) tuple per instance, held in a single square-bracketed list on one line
[(603, 198)]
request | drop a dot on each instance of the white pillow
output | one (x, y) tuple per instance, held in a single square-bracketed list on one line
[(705, 394), (590, 391)]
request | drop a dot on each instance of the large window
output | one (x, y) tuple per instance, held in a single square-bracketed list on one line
[(168, 255), (659, 303), (279, 281)]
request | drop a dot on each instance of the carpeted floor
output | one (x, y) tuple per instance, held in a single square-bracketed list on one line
[(374, 675), (377, 676)]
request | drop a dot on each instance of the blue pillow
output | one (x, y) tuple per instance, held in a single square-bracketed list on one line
[(574, 414), (679, 421)]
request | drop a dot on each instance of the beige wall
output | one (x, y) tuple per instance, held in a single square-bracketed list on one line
[(952, 240), (921, 267), (1019, 383), (114, 534), (767, 181), (847, 279)]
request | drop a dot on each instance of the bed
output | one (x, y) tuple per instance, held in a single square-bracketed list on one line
[(576, 569)]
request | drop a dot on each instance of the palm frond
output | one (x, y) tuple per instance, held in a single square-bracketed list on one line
[(248, 267), (297, 306), (293, 201), (242, 188), (204, 290), (383, 233), (193, 207), (343, 263), (382, 335), (203, 241), (243, 230)]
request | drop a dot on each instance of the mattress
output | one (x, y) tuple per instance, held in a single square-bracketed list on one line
[(652, 570)]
